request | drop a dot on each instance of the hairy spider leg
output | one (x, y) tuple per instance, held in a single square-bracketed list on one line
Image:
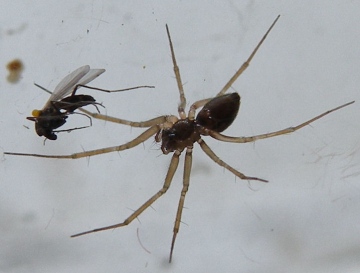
[(169, 176), (247, 62), (181, 107), (186, 183), (207, 150), (225, 138), (141, 124), (141, 138)]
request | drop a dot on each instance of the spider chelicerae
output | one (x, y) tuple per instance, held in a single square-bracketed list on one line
[(177, 134)]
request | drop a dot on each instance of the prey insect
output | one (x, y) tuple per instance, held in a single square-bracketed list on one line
[(64, 101), (177, 134)]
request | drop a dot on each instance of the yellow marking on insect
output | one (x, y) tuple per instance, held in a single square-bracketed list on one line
[(36, 113)]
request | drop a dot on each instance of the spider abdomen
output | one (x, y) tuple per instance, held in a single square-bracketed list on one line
[(219, 113)]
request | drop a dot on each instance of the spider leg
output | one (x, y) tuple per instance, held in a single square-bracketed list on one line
[(141, 138), (170, 174), (196, 105), (222, 137), (147, 123), (247, 62), (181, 107), (217, 160), (186, 182)]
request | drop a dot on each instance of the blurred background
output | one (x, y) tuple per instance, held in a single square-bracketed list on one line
[(306, 219)]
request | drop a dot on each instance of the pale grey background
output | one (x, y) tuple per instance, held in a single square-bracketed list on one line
[(305, 220)]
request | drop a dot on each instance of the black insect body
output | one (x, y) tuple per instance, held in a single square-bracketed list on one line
[(55, 115), (56, 110), (64, 101), (73, 102), (48, 120)]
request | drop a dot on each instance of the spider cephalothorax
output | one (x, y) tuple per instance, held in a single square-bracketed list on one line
[(216, 115), (181, 135)]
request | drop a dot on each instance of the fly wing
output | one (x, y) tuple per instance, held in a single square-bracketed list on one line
[(66, 85), (91, 75), (82, 75)]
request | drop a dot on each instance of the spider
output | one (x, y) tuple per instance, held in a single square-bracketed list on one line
[(177, 134), (59, 106)]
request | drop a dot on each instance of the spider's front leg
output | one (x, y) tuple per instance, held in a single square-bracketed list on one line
[(141, 138), (139, 124)]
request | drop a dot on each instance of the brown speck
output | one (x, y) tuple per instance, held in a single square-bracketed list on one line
[(15, 67)]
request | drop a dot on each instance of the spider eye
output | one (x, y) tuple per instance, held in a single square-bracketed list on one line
[(168, 141)]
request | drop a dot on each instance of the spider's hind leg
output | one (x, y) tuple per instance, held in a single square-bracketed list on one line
[(217, 160), (170, 174)]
